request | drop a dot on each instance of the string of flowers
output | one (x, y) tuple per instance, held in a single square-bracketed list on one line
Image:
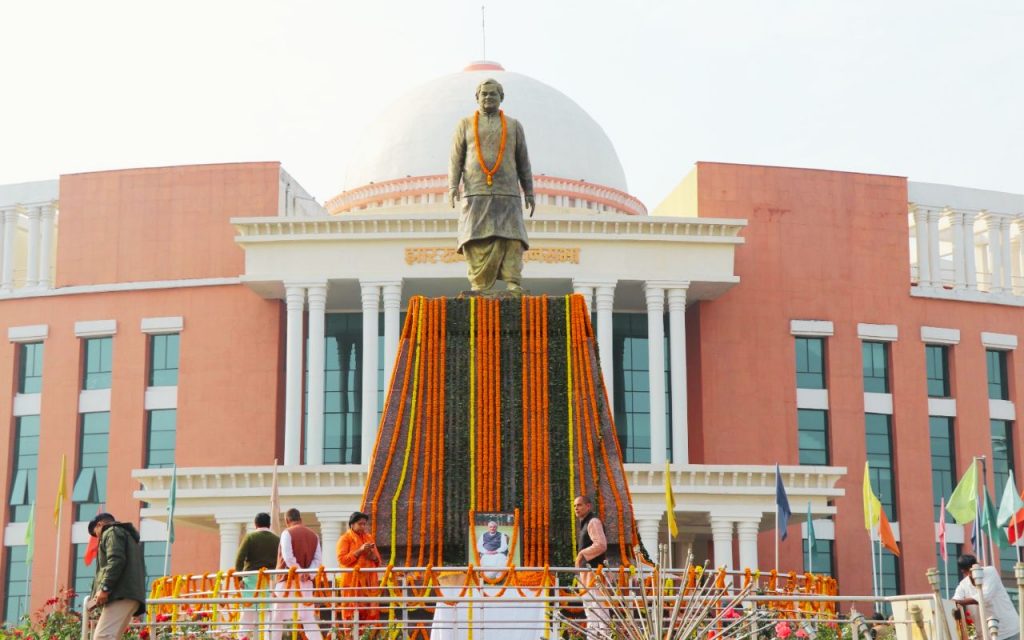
[(414, 306), (545, 446), (405, 462), (568, 386), (441, 439), (472, 406), (415, 436)]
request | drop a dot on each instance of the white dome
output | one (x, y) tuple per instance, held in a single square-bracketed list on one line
[(413, 137)]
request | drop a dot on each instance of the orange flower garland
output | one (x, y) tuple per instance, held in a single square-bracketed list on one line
[(479, 146)]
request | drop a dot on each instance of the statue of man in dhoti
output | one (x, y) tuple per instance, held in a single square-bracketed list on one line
[(489, 158)]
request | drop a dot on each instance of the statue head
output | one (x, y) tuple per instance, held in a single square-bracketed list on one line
[(489, 95)]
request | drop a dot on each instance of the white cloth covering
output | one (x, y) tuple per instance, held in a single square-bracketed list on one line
[(506, 617)]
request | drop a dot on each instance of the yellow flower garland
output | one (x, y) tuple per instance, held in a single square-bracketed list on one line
[(408, 439)]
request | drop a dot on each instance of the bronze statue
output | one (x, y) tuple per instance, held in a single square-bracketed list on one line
[(489, 158)]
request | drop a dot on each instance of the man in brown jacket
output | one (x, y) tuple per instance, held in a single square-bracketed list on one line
[(300, 548)]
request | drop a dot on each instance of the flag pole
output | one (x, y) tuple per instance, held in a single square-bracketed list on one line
[(880, 585), (56, 561), (776, 535), (874, 573)]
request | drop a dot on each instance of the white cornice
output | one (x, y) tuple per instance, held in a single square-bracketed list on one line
[(119, 286), (28, 333), (616, 227)]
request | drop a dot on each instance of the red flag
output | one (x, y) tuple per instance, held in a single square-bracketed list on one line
[(1015, 528), (92, 550), (886, 536), (942, 529), (94, 545)]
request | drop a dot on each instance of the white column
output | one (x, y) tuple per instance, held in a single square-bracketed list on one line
[(970, 264), (604, 302), (677, 359), (32, 258), (721, 537), (48, 222), (371, 310), (586, 290), (959, 248), (331, 525), (315, 382), (746, 532), (230, 538), (656, 360), (924, 278), (648, 527), (7, 268), (934, 249), (392, 294), (295, 300), (1005, 251), (995, 259)]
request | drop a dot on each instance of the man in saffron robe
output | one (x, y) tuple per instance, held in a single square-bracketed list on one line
[(490, 161), (356, 549)]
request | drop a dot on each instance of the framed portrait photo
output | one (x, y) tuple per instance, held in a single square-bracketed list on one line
[(494, 541)]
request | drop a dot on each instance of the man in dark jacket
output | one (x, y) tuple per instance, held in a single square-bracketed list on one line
[(120, 585)]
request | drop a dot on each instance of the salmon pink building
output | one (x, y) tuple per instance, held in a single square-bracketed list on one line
[(218, 318)]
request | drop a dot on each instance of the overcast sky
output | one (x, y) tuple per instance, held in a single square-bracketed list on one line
[(929, 90)]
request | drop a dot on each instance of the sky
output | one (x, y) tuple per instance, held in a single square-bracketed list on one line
[(929, 90)]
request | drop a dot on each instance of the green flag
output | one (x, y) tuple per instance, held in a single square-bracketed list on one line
[(988, 522), (1010, 503), (171, 499), (963, 502), (810, 539), (30, 534)]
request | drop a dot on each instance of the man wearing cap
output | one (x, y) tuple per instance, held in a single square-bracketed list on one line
[(120, 584)]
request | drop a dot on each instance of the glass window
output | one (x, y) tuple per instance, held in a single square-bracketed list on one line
[(163, 360), (161, 432), (1002, 454), (998, 387), (876, 366), (153, 558), (82, 575), (91, 485), (949, 574), (99, 363), (890, 577), (878, 429), (813, 436), (937, 365), (943, 460), (822, 557), (631, 373), (343, 387), (17, 585), (30, 367), (26, 463), (810, 363)]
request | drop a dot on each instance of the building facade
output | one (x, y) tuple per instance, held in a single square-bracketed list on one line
[(217, 318)]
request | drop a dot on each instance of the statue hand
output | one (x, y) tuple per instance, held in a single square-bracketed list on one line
[(530, 204), (453, 197)]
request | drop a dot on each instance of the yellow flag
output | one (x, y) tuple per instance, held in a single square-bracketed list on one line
[(872, 505), (670, 504), (62, 491)]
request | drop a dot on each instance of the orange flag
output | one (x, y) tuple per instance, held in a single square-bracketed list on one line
[(886, 536)]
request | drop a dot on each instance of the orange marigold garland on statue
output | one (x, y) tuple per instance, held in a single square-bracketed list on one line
[(479, 146)]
